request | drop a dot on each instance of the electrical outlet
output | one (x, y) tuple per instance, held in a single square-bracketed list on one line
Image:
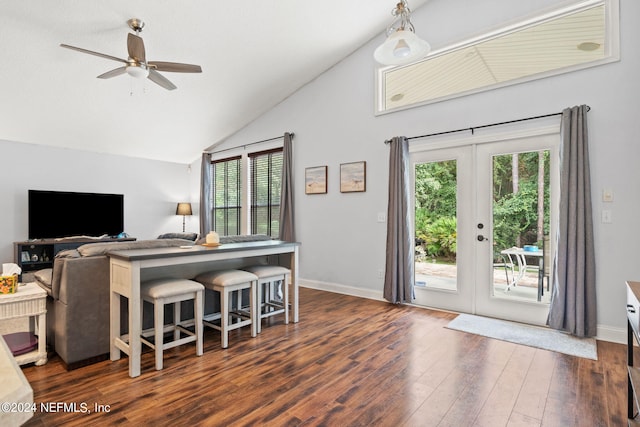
[(382, 217), (606, 216), (380, 274)]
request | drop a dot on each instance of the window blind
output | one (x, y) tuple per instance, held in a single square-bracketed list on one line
[(226, 197), (266, 185)]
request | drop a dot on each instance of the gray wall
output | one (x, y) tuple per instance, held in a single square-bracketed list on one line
[(151, 188), (332, 117)]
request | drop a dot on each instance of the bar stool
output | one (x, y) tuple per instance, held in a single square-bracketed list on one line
[(226, 282), (268, 276), (172, 291)]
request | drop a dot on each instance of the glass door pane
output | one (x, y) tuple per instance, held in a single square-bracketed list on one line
[(521, 226), (517, 199), (436, 189), (442, 199)]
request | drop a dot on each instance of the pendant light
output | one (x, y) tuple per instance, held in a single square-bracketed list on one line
[(402, 45)]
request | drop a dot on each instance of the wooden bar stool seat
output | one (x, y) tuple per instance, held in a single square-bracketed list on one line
[(227, 283), (172, 291), (270, 302)]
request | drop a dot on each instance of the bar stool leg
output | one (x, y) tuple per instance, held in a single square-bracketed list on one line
[(285, 290), (224, 317), (260, 295), (253, 308), (158, 307), (176, 320), (198, 311)]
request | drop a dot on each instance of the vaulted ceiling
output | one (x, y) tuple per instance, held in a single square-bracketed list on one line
[(253, 55)]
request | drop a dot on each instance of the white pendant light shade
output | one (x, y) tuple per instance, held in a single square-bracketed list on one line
[(401, 47)]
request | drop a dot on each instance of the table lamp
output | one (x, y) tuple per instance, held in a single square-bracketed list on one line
[(183, 209)]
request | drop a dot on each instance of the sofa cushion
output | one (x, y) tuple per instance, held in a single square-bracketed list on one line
[(68, 253), (244, 238), (238, 239), (96, 249), (188, 236), (43, 279)]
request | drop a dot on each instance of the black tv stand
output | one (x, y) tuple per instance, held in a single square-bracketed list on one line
[(37, 254)]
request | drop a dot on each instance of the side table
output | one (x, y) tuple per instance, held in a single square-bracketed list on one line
[(29, 301)]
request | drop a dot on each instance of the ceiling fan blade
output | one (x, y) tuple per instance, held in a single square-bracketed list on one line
[(135, 46), (90, 52), (175, 67), (161, 80), (113, 73)]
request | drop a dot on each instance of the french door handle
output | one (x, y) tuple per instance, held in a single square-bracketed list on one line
[(481, 238)]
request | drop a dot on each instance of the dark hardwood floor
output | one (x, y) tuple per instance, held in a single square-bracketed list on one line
[(348, 362)]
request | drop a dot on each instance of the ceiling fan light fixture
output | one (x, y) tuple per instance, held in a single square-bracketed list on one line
[(136, 64), (402, 44), (137, 71)]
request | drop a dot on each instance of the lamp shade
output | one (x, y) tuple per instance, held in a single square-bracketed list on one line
[(401, 47), (184, 209)]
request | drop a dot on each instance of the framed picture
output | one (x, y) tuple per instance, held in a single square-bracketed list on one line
[(25, 256), (353, 177), (315, 180)]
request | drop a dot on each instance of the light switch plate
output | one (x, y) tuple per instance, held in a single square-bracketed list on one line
[(607, 195)]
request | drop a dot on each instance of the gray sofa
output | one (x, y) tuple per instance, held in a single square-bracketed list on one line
[(78, 302)]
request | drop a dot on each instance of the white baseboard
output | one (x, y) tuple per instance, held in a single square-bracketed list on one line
[(605, 333), (612, 334), (342, 289)]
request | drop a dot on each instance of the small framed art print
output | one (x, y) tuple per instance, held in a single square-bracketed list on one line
[(353, 177), (315, 180)]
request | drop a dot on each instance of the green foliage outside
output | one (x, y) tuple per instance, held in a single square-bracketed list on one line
[(435, 215), (440, 237), (515, 215)]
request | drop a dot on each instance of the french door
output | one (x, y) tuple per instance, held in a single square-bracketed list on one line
[(483, 216)]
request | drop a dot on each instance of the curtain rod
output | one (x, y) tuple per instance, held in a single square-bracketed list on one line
[(472, 129), (251, 143)]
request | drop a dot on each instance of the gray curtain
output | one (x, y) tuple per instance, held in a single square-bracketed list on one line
[(573, 299), (286, 195), (205, 194), (399, 278)]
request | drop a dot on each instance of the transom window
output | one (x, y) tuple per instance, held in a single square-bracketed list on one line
[(576, 36)]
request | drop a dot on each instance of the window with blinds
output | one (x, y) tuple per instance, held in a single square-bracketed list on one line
[(266, 184), (227, 196)]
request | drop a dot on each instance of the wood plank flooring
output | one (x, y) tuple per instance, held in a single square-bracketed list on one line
[(348, 362)]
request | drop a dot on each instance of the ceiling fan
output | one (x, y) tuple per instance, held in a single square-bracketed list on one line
[(137, 65)]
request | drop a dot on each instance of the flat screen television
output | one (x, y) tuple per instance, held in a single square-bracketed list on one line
[(55, 214)]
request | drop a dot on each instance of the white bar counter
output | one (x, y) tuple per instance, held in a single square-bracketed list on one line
[(127, 267)]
